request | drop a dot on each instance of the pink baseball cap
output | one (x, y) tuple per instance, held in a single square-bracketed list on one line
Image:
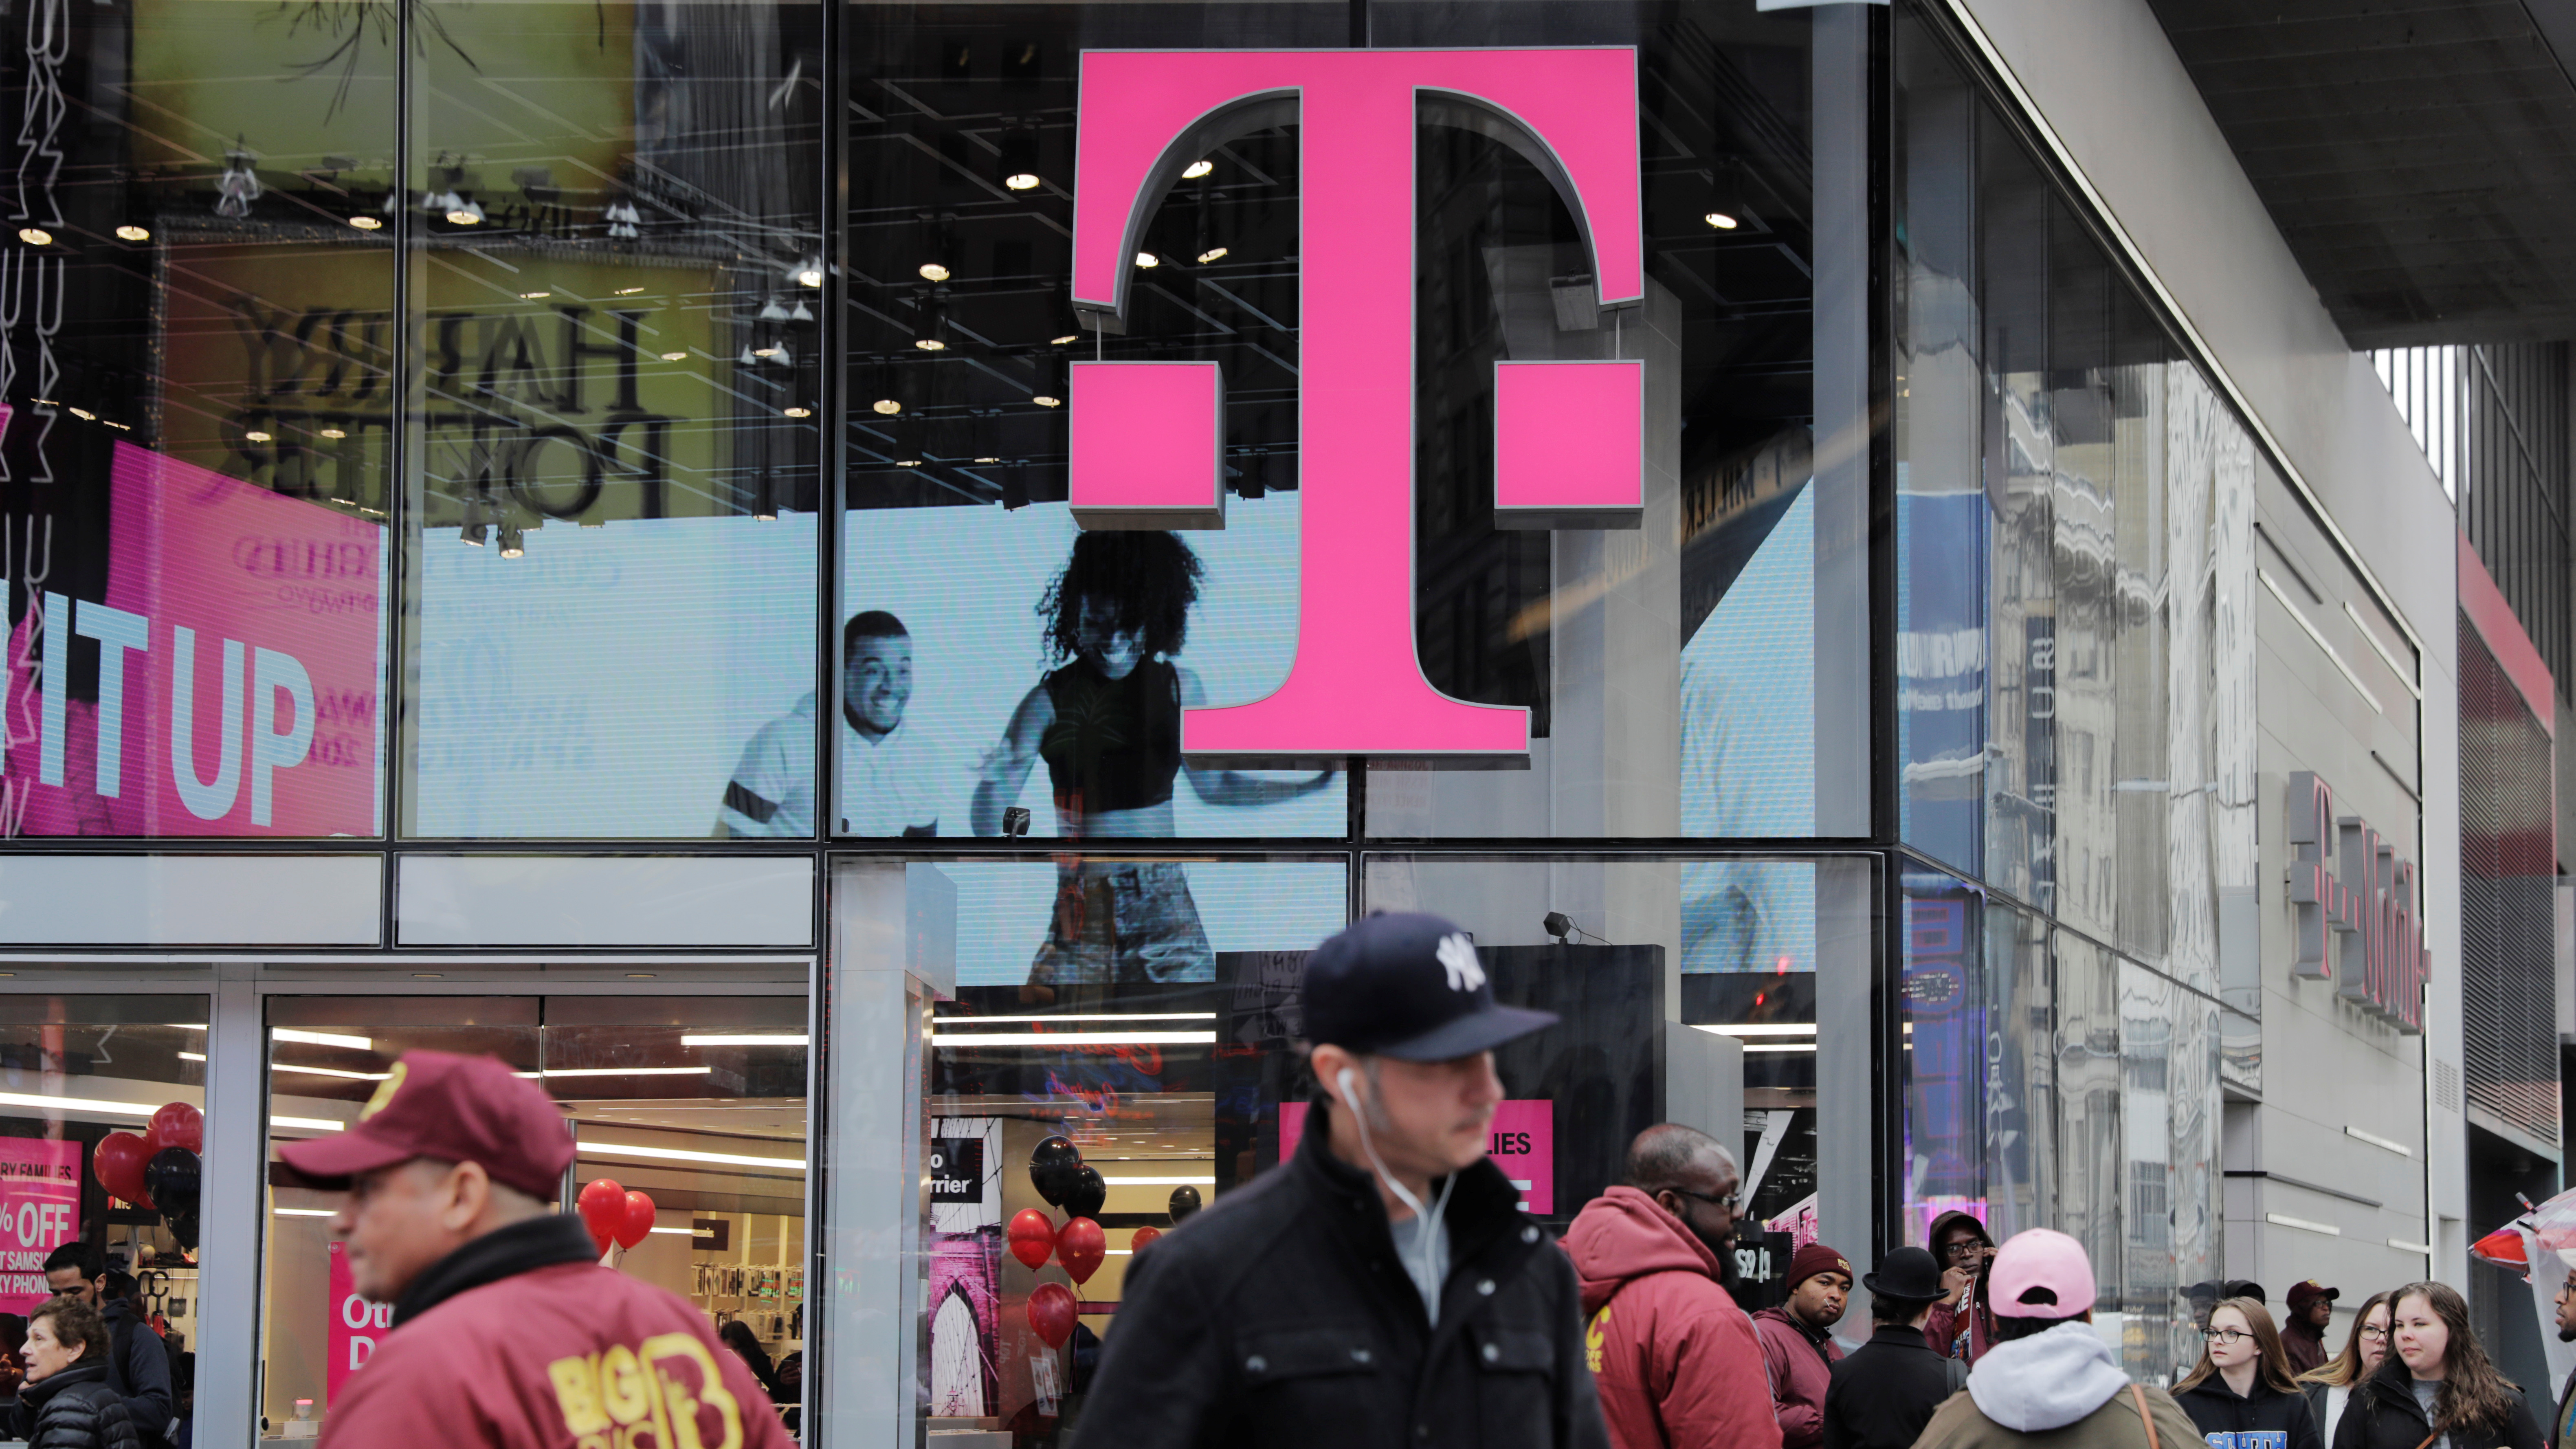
[(2041, 1273)]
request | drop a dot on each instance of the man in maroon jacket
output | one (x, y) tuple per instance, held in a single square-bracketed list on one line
[(507, 1332), (1798, 1349), (1674, 1359)]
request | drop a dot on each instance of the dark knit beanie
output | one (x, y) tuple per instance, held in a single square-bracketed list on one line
[(1812, 1259)]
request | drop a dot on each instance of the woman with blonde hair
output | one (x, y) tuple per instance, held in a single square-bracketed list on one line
[(2436, 1389), (2330, 1385), (2243, 1395)]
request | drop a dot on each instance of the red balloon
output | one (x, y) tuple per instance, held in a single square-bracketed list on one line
[(1144, 1239), (1080, 1247), (178, 1125), (1032, 1237), (118, 1161), (1051, 1313), (637, 1222), (602, 1206)]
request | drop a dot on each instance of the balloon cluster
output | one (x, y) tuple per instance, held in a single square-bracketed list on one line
[(1057, 1171), (614, 1214), (159, 1169)]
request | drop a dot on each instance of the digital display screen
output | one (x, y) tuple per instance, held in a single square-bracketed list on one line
[(1008, 661)]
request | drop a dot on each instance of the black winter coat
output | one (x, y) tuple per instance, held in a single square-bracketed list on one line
[(2383, 1414), (1280, 1318), (1884, 1392), (2268, 1419), (75, 1409), (138, 1368)]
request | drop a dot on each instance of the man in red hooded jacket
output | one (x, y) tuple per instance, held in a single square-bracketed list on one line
[(507, 1333), (1674, 1358)]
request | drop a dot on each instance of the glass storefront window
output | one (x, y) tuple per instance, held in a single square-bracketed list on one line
[(617, 275), (102, 1104), (697, 1102), (197, 426), (1131, 1017), (1730, 995)]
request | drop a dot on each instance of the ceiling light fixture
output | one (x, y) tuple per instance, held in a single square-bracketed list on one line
[(1073, 1038), (256, 436), (1087, 1016), (192, 1056), (335, 434), (329, 1072), (133, 233), (1148, 259), (1067, 340), (1207, 1181), (1721, 220), (628, 291), (303, 1212), (534, 296), (799, 412), (934, 272), (620, 1072), (886, 407), (675, 357), (514, 544), (324, 1038), (675, 1154), (734, 1039), (309, 1124), (367, 223), (35, 236), (1212, 254), (1042, 400), (1198, 168)]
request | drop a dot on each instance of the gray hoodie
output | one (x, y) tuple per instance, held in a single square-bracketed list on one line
[(2046, 1381)]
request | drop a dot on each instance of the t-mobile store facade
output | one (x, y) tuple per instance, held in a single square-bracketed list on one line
[(850, 587)]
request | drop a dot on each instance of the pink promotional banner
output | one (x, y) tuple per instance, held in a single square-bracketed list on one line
[(237, 647), (356, 1324), (1522, 1144), (39, 1212), (1570, 435)]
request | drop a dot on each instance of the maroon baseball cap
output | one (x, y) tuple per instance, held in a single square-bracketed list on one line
[(455, 1109)]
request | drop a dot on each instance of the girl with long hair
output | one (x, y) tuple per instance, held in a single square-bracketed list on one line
[(2330, 1385), (1106, 723), (2436, 1389), (2243, 1393)]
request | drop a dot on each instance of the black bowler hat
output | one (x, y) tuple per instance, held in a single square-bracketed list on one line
[(1406, 985), (1908, 1275)]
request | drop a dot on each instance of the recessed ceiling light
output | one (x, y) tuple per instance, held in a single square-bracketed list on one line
[(1066, 340), (131, 232), (256, 436), (1212, 254), (930, 344), (367, 223), (35, 236), (335, 432), (628, 291), (1199, 168), (1148, 259), (934, 272), (534, 296), (796, 412), (1021, 181), (463, 217), (810, 277), (675, 357), (1042, 400), (1723, 221), (886, 406), (988, 460)]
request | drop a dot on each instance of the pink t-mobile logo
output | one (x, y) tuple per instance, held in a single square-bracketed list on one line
[(1148, 437)]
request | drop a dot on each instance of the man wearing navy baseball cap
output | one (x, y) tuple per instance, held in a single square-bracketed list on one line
[(1383, 1287)]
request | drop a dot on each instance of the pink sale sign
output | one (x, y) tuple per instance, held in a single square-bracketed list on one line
[(356, 1325), (39, 1212), (237, 647), (1522, 1143)]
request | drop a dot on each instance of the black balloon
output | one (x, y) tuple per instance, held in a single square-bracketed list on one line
[(1054, 1170), (1185, 1202), (171, 1178), (183, 1226), (1088, 1192)]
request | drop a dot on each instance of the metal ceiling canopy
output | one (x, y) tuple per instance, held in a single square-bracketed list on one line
[(2414, 153)]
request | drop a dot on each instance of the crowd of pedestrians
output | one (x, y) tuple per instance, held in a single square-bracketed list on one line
[(1383, 1289)]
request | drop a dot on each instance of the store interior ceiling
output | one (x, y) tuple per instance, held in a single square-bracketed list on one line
[(2414, 156)]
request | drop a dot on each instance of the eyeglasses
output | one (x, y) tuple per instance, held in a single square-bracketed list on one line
[(2229, 1336), (1726, 1202), (1964, 1248), (2375, 1335)]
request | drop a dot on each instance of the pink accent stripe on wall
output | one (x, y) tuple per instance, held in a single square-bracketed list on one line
[(2493, 618)]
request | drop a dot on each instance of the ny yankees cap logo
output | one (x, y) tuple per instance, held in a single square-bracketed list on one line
[(1458, 957)]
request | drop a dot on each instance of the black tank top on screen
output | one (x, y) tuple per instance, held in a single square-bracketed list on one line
[(1115, 743)]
